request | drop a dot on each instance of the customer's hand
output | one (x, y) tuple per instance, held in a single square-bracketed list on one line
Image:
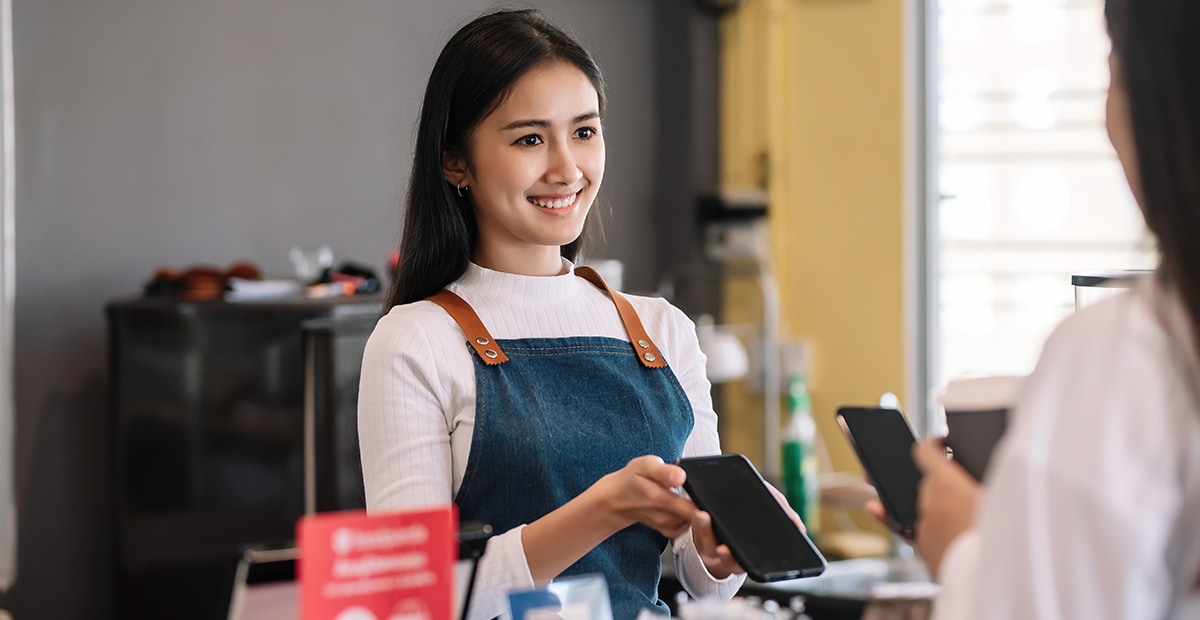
[(875, 508), (946, 502), (643, 492)]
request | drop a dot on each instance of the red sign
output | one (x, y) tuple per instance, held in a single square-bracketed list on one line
[(397, 566)]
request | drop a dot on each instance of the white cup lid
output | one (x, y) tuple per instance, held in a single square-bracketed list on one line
[(981, 393)]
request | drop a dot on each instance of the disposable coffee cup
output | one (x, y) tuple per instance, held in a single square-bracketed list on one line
[(976, 417)]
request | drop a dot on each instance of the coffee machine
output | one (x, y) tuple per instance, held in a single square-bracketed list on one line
[(1092, 286)]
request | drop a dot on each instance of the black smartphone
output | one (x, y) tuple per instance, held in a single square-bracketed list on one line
[(883, 440), (748, 518)]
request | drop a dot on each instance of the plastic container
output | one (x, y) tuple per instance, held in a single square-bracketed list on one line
[(800, 458)]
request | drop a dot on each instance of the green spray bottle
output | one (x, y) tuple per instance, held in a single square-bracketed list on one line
[(800, 484)]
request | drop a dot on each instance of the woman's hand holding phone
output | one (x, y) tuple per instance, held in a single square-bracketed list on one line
[(642, 492), (947, 498), (717, 558), (946, 502), (763, 536)]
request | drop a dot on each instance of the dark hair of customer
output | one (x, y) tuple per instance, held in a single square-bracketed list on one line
[(1158, 50), (474, 73)]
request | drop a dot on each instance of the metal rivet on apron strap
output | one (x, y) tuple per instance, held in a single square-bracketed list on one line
[(645, 345), (649, 357), (477, 336)]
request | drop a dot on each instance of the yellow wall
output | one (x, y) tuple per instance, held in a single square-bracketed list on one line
[(813, 107)]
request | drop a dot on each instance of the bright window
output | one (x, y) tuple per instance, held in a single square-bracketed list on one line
[(1031, 190)]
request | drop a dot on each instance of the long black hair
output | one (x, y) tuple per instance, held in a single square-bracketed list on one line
[(1157, 45), (474, 73)]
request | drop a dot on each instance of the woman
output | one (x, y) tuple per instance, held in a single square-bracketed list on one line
[(1092, 505), (534, 399)]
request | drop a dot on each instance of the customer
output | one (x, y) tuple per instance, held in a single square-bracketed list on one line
[(1091, 508), (564, 447)]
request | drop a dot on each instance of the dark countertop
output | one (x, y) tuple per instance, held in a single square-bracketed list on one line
[(840, 593)]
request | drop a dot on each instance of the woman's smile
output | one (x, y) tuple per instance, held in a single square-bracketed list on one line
[(556, 202)]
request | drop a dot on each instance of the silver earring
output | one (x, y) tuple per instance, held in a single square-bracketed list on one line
[(461, 188)]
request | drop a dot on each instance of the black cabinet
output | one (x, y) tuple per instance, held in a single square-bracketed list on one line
[(229, 421)]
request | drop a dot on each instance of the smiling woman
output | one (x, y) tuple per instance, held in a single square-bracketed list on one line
[(505, 380)]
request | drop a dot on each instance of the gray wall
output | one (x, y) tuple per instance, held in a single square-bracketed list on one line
[(687, 58), (174, 132)]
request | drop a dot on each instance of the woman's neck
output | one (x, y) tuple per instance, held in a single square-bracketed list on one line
[(546, 261)]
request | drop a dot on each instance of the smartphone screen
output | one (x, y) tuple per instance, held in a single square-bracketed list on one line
[(748, 518), (884, 440)]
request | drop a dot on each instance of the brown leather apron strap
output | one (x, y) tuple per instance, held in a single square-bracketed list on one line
[(477, 335), (486, 348), (647, 353)]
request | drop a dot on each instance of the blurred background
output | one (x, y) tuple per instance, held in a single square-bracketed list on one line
[(875, 195)]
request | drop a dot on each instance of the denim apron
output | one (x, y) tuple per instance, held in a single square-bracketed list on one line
[(554, 415)]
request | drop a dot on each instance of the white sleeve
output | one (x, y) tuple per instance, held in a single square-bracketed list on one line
[(502, 569), (688, 361), (404, 439), (957, 575), (1051, 548), (403, 433)]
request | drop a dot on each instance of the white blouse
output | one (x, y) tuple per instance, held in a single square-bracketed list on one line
[(1091, 508)]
